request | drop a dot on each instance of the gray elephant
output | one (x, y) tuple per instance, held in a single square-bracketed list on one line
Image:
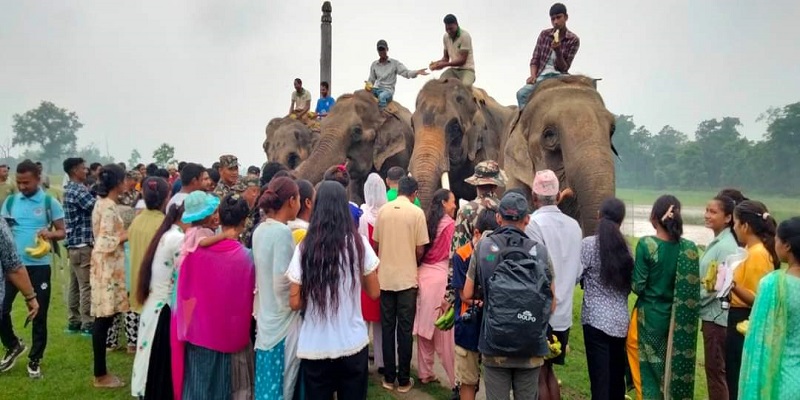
[(565, 127), (289, 141), (455, 128), (369, 140)]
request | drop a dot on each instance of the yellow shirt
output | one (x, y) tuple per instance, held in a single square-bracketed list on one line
[(399, 229), (298, 235), (757, 264), (140, 234)]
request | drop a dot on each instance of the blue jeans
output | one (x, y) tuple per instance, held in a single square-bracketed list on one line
[(384, 97), (524, 94)]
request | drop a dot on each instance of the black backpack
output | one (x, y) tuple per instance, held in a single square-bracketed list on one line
[(517, 296)]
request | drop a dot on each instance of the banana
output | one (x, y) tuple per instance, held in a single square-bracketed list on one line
[(41, 248), (555, 348), (447, 320), (711, 277), (368, 86), (743, 326), (555, 36)]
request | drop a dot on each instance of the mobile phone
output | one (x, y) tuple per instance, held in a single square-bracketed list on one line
[(27, 321)]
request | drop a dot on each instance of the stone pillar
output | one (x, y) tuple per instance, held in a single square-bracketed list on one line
[(325, 56)]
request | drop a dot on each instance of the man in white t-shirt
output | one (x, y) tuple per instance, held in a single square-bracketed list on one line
[(193, 177), (562, 237)]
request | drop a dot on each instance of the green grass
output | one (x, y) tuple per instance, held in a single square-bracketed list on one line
[(780, 207)]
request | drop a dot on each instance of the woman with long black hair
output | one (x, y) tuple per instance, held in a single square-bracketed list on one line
[(152, 372), (607, 271), (432, 278), (327, 272)]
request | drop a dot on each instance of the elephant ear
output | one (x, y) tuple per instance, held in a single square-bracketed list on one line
[(518, 163), (389, 141)]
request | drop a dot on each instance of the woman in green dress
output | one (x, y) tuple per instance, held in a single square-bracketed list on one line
[(662, 338), (771, 359)]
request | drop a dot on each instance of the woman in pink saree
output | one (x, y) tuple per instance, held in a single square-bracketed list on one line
[(432, 277), (214, 309)]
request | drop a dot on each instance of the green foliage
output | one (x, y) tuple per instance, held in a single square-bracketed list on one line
[(51, 128), (135, 158), (719, 156), (163, 155)]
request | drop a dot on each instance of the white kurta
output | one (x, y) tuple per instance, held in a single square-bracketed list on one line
[(162, 282)]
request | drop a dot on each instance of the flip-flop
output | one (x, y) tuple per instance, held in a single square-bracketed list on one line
[(113, 383)]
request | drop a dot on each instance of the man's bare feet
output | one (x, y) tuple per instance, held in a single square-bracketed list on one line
[(108, 381)]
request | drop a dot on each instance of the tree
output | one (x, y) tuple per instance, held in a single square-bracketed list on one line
[(665, 147), (720, 145), (163, 155), (782, 142), (50, 127), (91, 154), (135, 158)]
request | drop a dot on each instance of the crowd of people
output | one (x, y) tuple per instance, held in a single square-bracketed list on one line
[(265, 286)]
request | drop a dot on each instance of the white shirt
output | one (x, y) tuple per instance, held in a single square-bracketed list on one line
[(342, 332), (549, 67), (562, 237), (177, 199)]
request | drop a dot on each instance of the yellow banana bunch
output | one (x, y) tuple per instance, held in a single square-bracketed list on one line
[(743, 326), (41, 248), (312, 115), (367, 86), (555, 348), (710, 279)]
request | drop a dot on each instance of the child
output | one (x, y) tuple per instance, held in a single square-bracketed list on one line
[(467, 332)]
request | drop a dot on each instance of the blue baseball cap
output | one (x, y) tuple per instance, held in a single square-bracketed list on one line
[(198, 205)]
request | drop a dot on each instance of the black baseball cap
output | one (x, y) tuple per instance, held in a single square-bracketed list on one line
[(382, 45), (253, 170), (513, 207)]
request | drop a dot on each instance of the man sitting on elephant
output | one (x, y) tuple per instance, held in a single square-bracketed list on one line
[(383, 75), (301, 101), (457, 53), (553, 55)]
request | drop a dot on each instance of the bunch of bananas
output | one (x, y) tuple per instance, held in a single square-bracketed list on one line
[(555, 348), (367, 86), (447, 320), (743, 326), (710, 279), (40, 249)]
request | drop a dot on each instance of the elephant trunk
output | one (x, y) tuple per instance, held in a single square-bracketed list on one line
[(592, 179), (330, 151), (428, 162)]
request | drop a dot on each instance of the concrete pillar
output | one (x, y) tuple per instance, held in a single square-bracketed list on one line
[(325, 56)]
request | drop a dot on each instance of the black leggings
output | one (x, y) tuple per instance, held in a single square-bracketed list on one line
[(734, 345), (99, 336)]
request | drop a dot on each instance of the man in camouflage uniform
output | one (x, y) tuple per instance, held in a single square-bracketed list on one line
[(487, 178), (249, 189), (228, 175)]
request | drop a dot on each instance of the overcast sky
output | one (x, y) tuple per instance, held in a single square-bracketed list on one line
[(207, 76)]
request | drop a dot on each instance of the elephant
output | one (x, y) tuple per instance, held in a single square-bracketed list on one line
[(289, 141), (455, 128), (566, 128), (366, 138)]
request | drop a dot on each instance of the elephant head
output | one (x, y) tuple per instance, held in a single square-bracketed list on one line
[(454, 129), (289, 141), (565, 128), (357, 132)]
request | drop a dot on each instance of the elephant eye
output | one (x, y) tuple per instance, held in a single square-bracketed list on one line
[(612, 130), (550, 137)]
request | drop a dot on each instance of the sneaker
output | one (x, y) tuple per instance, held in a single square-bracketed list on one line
[(407, 387), (456, 395), (74, 327), (387, 385), (34, 370), (11, 356)]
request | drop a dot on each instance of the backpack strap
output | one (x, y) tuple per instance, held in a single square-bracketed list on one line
[(10, 204)]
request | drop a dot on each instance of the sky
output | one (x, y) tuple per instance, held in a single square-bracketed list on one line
[(207, 76)]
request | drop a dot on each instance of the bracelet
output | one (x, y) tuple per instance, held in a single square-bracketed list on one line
[(31, 297)]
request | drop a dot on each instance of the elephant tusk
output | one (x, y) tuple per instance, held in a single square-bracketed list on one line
[(445, 180)]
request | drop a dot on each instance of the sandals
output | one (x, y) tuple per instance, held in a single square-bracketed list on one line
[(108, 382), (426, 381)]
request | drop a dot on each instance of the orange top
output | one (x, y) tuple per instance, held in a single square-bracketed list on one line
[(757, 264)]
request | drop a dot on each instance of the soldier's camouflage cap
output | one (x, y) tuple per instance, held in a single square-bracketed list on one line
[(228, 161), (133, 174), (245, 183), (487, 173)]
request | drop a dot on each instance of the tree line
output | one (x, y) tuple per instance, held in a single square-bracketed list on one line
[(718, 155), (49, 134)]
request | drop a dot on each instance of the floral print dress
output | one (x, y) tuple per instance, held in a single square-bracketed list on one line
[(107, 274), (162, 282)]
